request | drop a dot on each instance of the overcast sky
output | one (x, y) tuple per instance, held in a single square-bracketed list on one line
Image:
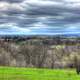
[(50, 17)]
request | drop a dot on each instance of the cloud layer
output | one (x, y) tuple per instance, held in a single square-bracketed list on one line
[(39, 17)]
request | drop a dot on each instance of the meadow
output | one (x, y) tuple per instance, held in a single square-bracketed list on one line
[(11, 73)]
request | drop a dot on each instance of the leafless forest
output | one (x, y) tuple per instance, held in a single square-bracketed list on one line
[(40, 52)]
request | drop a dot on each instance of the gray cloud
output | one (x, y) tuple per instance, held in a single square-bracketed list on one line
[(52, 13), (12, 1)]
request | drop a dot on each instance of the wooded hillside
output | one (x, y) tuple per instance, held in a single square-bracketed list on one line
[(39, 52)]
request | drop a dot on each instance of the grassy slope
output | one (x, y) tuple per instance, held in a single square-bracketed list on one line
[(7, 73)]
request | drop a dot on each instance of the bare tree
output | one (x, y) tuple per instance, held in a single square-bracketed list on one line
[(77, 64)]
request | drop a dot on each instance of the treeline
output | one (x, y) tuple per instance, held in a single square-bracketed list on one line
[(46, 40), (40, 53)]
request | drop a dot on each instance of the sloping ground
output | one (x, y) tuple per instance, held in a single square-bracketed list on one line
[(36, 54), (10, 73)]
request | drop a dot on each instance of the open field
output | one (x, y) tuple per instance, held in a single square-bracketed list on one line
[(10, 73)]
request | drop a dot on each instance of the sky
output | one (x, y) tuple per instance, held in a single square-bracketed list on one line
[(39, 17)]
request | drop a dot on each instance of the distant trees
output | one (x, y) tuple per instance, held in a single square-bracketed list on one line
[(49, 53), (34, 55)]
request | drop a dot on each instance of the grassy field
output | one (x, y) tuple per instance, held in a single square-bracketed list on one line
[(8, 73)]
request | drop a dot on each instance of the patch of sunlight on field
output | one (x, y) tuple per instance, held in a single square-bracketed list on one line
[(10, 73)]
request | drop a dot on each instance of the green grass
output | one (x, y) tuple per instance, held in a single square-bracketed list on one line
[(8, 73)]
